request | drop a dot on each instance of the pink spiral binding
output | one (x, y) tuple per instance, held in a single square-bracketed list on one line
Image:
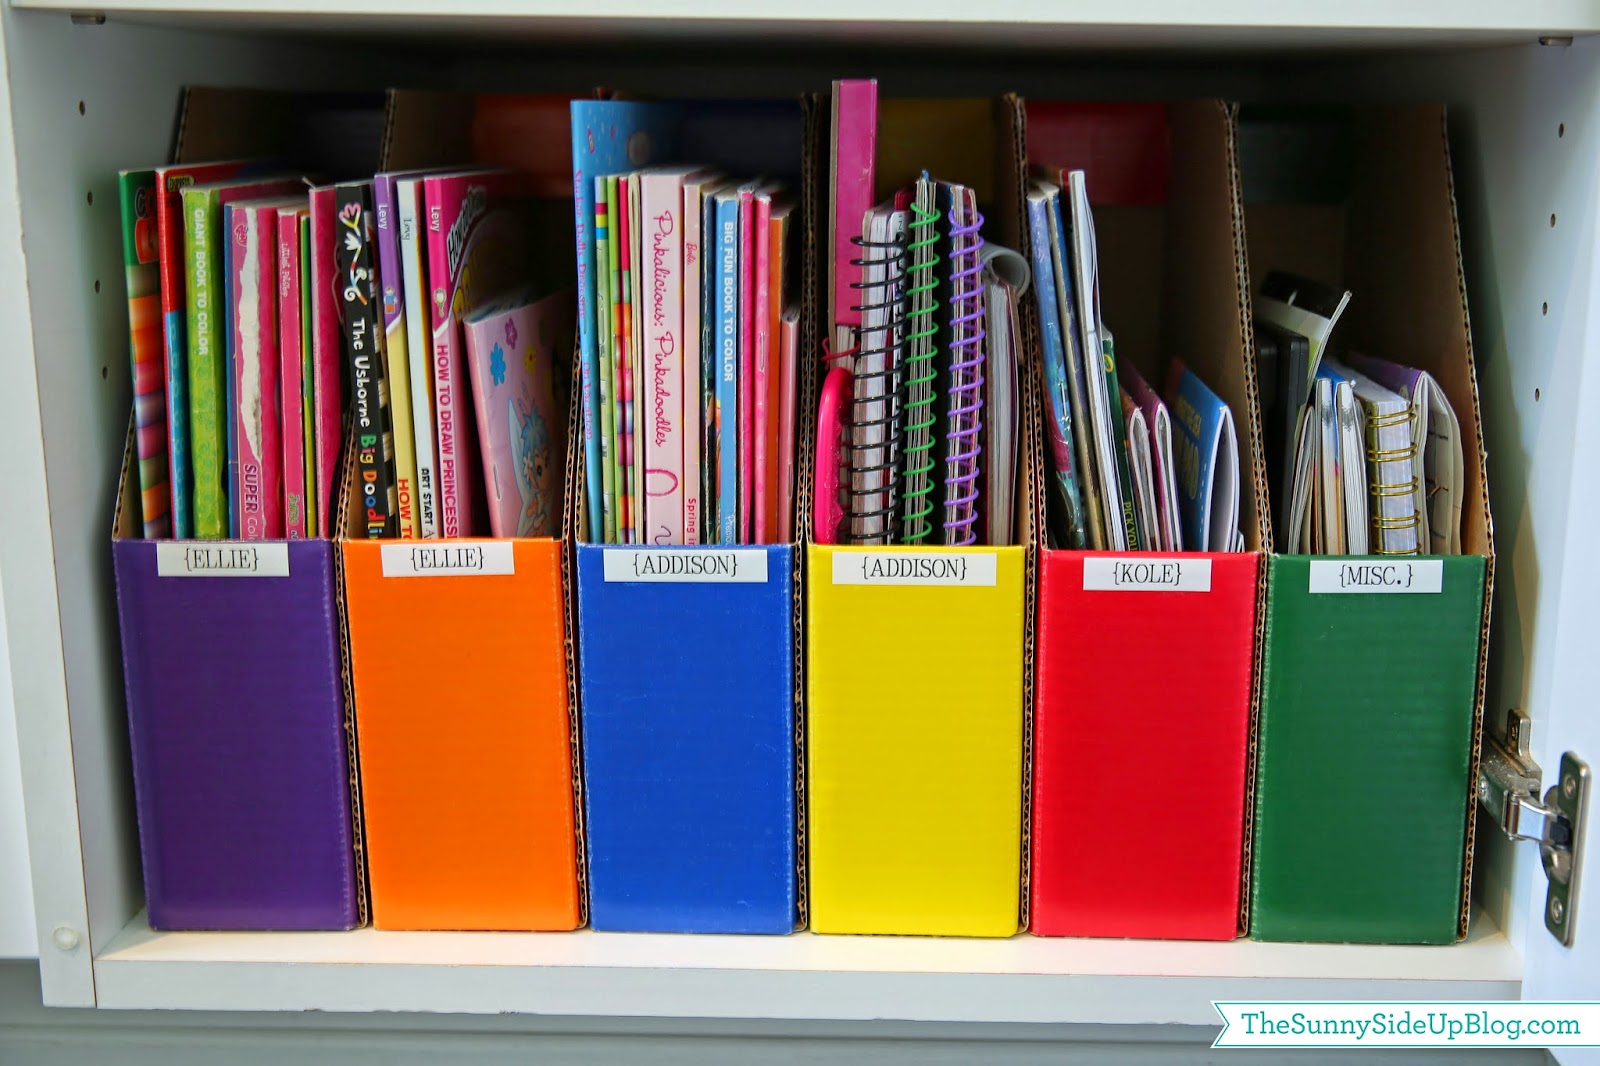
[(966, 382)]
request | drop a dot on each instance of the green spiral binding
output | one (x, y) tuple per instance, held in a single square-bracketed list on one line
[(917, 499)]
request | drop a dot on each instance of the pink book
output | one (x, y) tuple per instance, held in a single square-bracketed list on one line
[(854, 138), (477, 245), (327, 353), (788, 381), (747, 359), (253, 274), (661, 245), (511, 347), (761, 349), (291, 382)]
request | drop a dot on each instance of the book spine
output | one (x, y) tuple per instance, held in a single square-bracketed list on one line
[(1119, 432), (137, 191), (1058, 410), (726, 415), (170, 235), (365, 358), (776, 410), (327, 353), (693, 273), (761, 357), (747, 367), (638, 419), (705, 397), (661, 207), (443, 209), (317, 524), (614, 256), (396, 364), (206, 376), (253, 459), (855, 136), (290, 382), (604, 236), (588, 321), (414, 320)]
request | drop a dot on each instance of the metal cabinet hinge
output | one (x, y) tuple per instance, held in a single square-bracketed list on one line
[(1508, 788)]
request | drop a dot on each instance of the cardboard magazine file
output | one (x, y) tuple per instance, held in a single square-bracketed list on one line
[(1359, 685), (460, 664), (242, 778), (687, 671), (237, 717), (1150, 655), (915, 711), (460, 675)]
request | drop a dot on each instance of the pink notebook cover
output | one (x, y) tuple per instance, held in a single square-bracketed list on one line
[(747, 360), (477, 246), (761, 347), (290, 374), (789, 351), (855, 145), (661, 244), (253, 266), (511, 350), (327, 352)]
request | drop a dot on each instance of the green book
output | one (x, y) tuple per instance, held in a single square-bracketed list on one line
[(203, 262), (1368, 699), (142, 272), (316, 525)]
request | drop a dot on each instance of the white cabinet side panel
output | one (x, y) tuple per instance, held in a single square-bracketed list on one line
[(87, 100), (17, 937)]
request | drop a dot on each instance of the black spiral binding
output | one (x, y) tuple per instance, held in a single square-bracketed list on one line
[(868, 524)]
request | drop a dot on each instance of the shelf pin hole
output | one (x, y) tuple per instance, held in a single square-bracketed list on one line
[(91, 197), (1561, 130), (1544, 309), (1535, 395), (80, 107), (96, 284), (1552, 220)]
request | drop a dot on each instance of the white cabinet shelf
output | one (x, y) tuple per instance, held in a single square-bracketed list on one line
[(1036, 23), (82, 98), (1023, 979)]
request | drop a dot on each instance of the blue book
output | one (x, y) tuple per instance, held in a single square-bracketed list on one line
[(726, 413), (1207, 461), (608, 137), (230, 397), (1058, 415)]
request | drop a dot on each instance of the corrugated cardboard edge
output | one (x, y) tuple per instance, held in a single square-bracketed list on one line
[(574, 515), (1011, 203), (347, 478), (813, 167), (1489, 553)]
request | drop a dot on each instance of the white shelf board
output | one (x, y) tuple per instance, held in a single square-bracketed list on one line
[(1217, 24), (804, 976)]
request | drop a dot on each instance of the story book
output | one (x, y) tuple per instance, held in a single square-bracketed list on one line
[(477, 244), (512, 346)]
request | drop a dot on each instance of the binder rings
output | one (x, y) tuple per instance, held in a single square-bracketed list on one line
[(916, 654)]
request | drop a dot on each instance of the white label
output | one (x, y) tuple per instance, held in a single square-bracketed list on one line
[(1146, 575), (413, 558), (914, 568), (221, 558), (1376, 575), (686, 564)]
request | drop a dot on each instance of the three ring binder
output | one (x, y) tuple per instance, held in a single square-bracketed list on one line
[(872, 447), (966, 374)]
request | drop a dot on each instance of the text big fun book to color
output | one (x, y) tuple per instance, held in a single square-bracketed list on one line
[(477, 240), (170, 234), (512, 348)]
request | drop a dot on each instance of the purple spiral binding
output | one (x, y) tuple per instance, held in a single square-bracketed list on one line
[(966, 381)]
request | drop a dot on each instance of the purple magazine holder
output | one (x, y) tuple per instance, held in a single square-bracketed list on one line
[(236, 722)]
